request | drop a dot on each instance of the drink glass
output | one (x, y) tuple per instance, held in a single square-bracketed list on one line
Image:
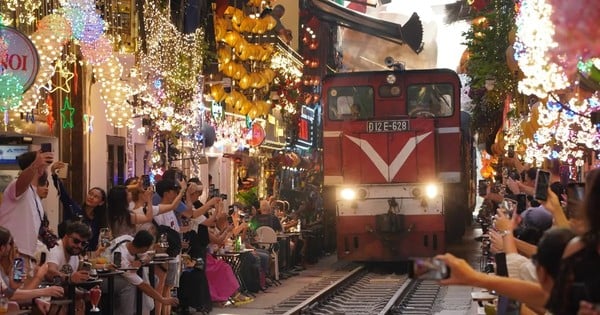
[(95, 294), (105, 237)]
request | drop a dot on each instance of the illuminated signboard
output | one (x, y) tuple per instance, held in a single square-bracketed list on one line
[(22, 59), (305, 127)]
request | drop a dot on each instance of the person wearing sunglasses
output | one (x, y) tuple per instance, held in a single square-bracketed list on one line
[(63, 259)]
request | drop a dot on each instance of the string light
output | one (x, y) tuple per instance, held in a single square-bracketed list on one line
[(11, 92), (534, 40)]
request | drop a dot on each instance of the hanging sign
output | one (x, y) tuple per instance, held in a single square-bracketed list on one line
[(22, 59), (257, 135)]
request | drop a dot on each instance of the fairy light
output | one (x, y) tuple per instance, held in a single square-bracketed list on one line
[(566, 131), (25, 9), (11, 92), (98, 51), (533, 41)]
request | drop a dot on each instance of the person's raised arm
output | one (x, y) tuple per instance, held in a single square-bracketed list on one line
[(71, 208), (38, 166), (162, 208), (461, 273), (552, 204)]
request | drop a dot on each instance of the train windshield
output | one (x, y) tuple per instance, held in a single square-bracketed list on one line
[(351, 102), (430, 100)]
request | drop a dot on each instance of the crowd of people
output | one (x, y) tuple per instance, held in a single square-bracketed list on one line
[(551, 246), (128, 227)]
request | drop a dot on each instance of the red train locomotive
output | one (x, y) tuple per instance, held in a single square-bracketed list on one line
[(396, 163)]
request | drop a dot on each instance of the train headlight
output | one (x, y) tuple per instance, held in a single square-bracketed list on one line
[(348, 194), (431, 191)]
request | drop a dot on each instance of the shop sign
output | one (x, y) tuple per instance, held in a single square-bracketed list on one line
[(257, 135), (22, 59), (305, 126)]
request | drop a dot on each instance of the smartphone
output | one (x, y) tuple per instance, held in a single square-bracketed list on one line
[(575, 196), (63, 171), (482, 187), (509, 206), (46, 147), (117, 259), (511, 151), (428, 269), (42, 258), (542, 182), (146, 182), (18, 269), (521, 203)]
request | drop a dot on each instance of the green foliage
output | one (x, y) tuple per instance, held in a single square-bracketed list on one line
[(248, 197), (487, 43)]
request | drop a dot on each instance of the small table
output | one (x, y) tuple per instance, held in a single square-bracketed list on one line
[(107, 304)]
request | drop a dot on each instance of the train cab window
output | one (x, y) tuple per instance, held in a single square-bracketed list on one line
[(350, 103), (430, 100)]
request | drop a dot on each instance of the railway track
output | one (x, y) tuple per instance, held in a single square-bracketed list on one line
[(358, 291)]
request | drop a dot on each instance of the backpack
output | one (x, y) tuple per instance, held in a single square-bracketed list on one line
[(173, 238)]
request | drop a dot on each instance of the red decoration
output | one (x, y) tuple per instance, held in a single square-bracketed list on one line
[(257, 136), (50, 116), (479, 4)]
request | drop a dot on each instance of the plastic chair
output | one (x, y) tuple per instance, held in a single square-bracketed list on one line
[(266, 238)]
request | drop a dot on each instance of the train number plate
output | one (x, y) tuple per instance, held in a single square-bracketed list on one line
[(388, 125)]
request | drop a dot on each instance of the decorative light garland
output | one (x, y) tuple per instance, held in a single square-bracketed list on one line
[(534, 41)]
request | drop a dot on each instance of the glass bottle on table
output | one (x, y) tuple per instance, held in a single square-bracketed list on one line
[(3, 303)]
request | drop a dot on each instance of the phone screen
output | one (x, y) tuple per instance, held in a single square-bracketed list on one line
[(482, 187), (117, 259), (542, 181), (509, 206), (575, 196), (428, 269), (521, 203), (145, 182), (46, 147)]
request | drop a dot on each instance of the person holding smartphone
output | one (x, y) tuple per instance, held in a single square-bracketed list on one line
[(92, 211), (21, 210), (63, 260), (19, 291)]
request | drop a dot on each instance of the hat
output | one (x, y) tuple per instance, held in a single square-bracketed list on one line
[(165, 185), (537, 217)]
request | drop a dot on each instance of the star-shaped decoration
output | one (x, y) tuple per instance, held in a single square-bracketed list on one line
[(65, 78), (66, 113)]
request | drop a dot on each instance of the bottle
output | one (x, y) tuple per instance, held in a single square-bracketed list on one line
[(299, 225), (3, 303), (238, 244)]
